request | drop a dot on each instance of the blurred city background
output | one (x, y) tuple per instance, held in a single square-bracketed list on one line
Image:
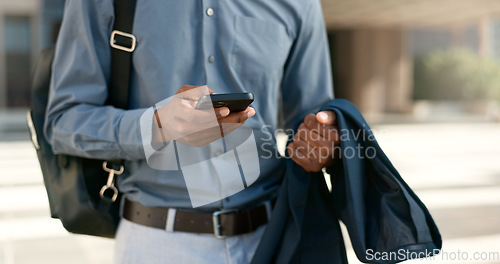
[(425, 73)]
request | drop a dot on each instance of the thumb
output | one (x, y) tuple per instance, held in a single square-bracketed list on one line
[(326, 117)]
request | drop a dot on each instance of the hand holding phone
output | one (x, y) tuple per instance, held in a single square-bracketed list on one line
[(189, 116)]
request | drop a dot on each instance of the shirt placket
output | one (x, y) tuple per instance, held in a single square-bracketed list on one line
[(209, 43), (209, 37)]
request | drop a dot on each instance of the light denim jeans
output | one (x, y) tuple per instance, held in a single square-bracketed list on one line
[(139, 244)]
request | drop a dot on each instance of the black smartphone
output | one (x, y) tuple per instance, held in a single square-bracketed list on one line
[(234, 101)]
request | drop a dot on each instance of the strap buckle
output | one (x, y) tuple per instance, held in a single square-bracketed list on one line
[(216, 221), (125, 41)]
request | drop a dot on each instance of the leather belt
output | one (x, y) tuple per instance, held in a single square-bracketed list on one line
[(220, 223)]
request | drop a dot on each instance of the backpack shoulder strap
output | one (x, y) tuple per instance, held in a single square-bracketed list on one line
[(123, 45)]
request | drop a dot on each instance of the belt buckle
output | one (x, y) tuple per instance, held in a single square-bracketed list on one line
[(216, 221)]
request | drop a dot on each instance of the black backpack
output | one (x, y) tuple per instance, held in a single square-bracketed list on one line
[(81, 191)]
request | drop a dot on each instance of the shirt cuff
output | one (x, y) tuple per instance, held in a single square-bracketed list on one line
[(129, 134), (164, 158)]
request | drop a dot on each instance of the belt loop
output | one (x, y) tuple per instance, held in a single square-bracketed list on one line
[(268, 209), (169, 227)]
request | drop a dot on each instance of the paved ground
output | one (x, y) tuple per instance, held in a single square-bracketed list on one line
[(454, 168)]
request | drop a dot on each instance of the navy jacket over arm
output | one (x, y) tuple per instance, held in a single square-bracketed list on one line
[(382, 214)]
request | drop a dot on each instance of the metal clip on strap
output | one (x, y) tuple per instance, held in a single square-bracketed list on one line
[(110, 185), (123, 41)]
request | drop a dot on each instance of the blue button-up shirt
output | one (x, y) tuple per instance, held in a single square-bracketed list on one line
[(276, 49)]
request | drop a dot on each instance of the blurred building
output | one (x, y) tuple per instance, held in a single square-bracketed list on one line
[(26, 27), (372, 44)]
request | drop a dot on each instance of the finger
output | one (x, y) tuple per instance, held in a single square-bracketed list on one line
[(311, 122), (327, 118), (308, 135), (325, 147), (310, 151), (221, 112), (250, 111), (311, 119), (202, 115), (191, 121), (294, 152), (298, 155), (328, 132), (319, 151), (238, 117)]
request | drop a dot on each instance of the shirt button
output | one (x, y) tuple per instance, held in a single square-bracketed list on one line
[(211, 58), (210, 12)]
